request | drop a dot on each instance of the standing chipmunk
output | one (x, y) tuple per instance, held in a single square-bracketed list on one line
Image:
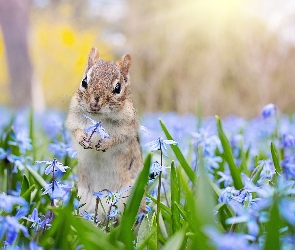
[(112, 163)]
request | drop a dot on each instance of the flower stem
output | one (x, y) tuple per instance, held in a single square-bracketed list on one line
[(92, 133), (108, 219), (96, 209), (159, 198), (52, 187)]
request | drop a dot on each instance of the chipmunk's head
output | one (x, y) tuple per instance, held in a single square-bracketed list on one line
[(105, 86)]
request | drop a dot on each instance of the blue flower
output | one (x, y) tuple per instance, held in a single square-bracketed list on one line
[(288, 165), (3, 154), (144, 129), (227, 194), (160, 144), (87, 215), (287, 209), (285, 187), (224, 177), (59, 149), (112, 197), (155, 169), (269, 110), (53, 124), (140, 217), (10, 226), (211, 162), (35, 219), (267, 172), (251, 218), (96, 128), (21, 140), (207, 141), (34, 246), (230, 241), (7, 202), (113, 212), (37, 222), (56, 189), (54, 165), (287, 141), (18, 161), (71, 152)]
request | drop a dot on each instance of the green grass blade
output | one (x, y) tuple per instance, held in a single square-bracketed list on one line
[(190, 173), (215, 188), (175, 198), (36, 176), (275, 158), (256, 174), (191, 224), (133, 204), (25, 185), (162, 206), (62, 235), (228, 156), (204, 200), (143, 233), (175, 241), (26, 189), (272, 229)]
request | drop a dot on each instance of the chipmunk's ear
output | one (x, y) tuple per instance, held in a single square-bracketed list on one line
[(92, 58), (124, 63)]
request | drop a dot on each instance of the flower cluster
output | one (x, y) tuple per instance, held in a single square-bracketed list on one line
[(259, 153), (55, 188), (10, 225)]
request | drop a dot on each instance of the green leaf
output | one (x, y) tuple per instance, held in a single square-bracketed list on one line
[(162, 226), (215, 188), (256, 173), (175, 198), (25, 185), (272, 229), (69, 231), (190, 173), (191, 223), (36, 176), (275, 158), (147, 234), (244, 160), (26, 189), (133, 204), (204, 196), (228, 156), (175, 241), (162, 206), (143, 233)]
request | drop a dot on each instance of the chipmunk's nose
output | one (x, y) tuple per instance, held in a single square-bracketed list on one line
[(94, 105)]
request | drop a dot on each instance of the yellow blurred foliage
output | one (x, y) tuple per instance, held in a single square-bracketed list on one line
[(3, 73), (59, 51)]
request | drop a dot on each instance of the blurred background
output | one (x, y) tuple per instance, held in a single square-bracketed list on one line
[(227, 57)]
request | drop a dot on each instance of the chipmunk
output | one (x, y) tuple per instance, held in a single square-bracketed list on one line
[(112, 163)]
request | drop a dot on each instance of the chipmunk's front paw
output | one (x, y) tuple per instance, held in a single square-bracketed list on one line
[(102, 145), (85, 142)]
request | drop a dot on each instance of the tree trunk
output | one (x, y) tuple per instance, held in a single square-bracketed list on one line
[(14, 20)]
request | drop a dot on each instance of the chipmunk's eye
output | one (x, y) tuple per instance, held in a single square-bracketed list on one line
[(84, 82), (117, 88)]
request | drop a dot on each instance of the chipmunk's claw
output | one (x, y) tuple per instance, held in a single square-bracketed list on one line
[(101, 146), (85, 143)]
